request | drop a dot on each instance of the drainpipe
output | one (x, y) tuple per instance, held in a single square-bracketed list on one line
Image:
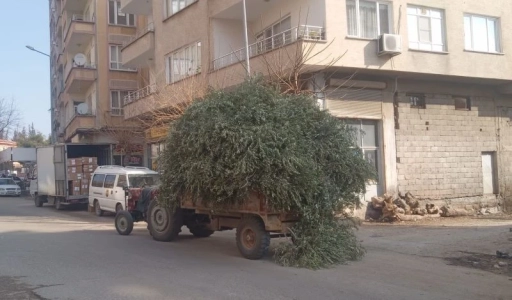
[(246, 34)]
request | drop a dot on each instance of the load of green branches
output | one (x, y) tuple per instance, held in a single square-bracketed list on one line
[(255, 139)]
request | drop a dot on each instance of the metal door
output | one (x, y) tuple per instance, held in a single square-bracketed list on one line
[(488, 173)]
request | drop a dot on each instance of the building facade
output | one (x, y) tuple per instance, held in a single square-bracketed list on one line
[(88, 78), (428, 83)]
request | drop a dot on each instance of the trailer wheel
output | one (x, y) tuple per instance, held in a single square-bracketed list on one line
[(38, 201), (200, 231), (163, 224), (124, 222), (97, 208), (58, 205), (252, 239)]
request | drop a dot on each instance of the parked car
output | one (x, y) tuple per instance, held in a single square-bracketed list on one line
[(18, 181), (9, 188)]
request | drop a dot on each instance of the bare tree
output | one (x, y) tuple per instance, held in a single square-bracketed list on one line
[(9, 116)]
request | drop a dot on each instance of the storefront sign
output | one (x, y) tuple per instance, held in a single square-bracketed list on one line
[(157, 132)]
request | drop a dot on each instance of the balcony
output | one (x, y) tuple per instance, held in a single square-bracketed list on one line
[(282, 39), (133, 107), (79, 32), (74, 5), (80, 79), (137, 7), (140, 50), (77, 124)]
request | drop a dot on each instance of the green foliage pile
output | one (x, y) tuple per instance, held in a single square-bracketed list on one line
[(255, 139)]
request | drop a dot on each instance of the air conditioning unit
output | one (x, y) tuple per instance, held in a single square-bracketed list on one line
[(390, 44)]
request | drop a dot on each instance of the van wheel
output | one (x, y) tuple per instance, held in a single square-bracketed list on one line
[(164, 225), (97, 208), (252, 239), (124, 222)]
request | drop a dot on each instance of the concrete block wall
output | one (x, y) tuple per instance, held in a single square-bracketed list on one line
[(439, 148)]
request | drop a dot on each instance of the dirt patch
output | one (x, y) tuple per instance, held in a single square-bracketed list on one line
[(12, 288), (485, 262)]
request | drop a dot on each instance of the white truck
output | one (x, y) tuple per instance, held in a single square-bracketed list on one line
[(52, 184)]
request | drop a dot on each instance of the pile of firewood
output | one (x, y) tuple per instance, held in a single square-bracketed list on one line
[(389, 208)]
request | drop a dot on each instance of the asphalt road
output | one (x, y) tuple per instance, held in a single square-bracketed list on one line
[(49, 254)]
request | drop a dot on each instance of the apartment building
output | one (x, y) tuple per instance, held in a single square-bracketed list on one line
[(88, 78), (428, 83)]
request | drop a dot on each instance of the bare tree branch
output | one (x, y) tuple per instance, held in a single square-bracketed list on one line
[(9, 116)]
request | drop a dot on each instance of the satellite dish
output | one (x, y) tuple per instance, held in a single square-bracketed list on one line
[(80, 59), (82, 109)]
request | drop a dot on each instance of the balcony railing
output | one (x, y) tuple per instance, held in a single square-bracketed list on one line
[(137, 95), (118, 112), (303, 32), (148, 28)]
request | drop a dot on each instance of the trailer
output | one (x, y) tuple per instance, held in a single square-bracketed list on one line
[(255, 222), (53, 181)]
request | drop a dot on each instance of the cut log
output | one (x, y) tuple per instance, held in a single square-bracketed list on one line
[(447, 211), (410, 217), (411, 201), (377, 202), (432, 209), (401, 204)]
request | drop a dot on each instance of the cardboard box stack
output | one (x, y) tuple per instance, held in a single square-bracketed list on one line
[(80, 174)]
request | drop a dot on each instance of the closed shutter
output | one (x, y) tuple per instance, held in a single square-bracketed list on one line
[(354, 103)]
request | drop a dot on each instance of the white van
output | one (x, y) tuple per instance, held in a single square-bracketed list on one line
[(108, 183)]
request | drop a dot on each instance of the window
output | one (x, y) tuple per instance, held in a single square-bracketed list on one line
[(122, 181), (183, 63), (97, 180), (117, 17), (368, 19), (482, 33), (109, 181), (173, 6), (426, 28), (417, 101), (275, 36), (116, 102), (462, 103), (116, 62), (366, 138)]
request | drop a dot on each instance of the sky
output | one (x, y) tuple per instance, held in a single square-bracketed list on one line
[(24, 74)]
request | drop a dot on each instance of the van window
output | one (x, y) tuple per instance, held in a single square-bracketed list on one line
[(109, 181), (142, 180), (97, 180), (121, 181)]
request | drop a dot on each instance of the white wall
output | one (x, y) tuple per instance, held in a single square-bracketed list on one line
[(228, 36), (24, 154)]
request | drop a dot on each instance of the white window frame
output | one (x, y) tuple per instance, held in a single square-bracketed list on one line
[(118, 111), (497, 33), (118, 12), (358, 17), (364, 149), (269, 39), (118, 62), (431, 43), (186, 54), (181, 5)]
